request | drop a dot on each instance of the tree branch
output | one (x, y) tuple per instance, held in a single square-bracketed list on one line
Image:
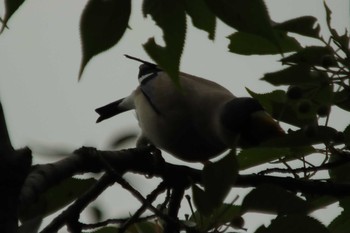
[(174, 206), (14, 167), (93, 226), (344, 157), (144, 161), (75, 209), (150, 198), (5, 142), (141, 161)]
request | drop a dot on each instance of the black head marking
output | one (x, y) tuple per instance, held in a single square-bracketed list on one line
[(236, 113), (248, 119), (147, 72)]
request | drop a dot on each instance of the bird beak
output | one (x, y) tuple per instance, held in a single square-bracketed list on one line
[(265, 126)]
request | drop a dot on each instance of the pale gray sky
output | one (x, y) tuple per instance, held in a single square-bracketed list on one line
[(40, 57)]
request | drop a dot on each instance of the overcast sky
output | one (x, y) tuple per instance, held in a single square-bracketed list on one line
[(40, 57)]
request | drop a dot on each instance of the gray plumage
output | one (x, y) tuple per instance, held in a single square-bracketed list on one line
[(196, 121)]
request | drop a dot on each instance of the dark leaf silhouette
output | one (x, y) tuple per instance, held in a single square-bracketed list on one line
[(56, 198), (305, 25), (312, 55), (283, 202), (11, 6), (294, 223), (170, 17), (249, 44), (201, 16), (246, 16), (102, 25)]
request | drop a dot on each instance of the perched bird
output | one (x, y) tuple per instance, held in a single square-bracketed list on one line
[(195, 121)]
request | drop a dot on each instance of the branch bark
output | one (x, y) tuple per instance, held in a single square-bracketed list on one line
[(14, 167), (145, 162), (142, 161)]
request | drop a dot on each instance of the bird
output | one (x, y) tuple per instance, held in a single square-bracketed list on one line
[(194, 121)]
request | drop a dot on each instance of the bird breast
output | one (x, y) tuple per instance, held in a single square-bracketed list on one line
[(185, 122)]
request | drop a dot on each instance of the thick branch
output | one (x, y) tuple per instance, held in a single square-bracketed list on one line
[(142, 161), (5, 143), (14, 167), (145, 162)]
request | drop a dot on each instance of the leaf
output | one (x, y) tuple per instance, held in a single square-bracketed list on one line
[(340, 174), (32, 225), (273, 200), (294, 224), (319, 202), (144, 227), (312, 56), (251, 157), (201, 16), (345, 203), (56, 198), (225, 213), (304, 25), (276, 104), (202, 201), (293, 75), (328, 20), (102, 25), (347, 136), (104, 230), (342, 41), (305, 137), (342, 99), (11, 6), (314, 86), (218, 178), (324, 97), (328, 14), (341, 223), (250, 44), (170, 17), (267, 99), (245, 16)]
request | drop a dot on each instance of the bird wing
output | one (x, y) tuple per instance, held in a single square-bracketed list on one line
[(147, 74)]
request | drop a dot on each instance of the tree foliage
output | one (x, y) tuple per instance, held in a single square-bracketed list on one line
[(291, 185)]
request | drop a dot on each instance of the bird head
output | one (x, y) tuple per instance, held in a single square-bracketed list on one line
[(246, 118)]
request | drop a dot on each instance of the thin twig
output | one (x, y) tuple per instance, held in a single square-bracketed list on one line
[(173, 210), (150, 198), (115, 221), (79, 205), (324, 166), (124, 184)]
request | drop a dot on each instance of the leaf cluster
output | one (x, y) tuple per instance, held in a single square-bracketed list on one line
[(315, 80)]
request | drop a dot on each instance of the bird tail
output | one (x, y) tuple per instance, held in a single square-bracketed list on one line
[(110, 110)]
